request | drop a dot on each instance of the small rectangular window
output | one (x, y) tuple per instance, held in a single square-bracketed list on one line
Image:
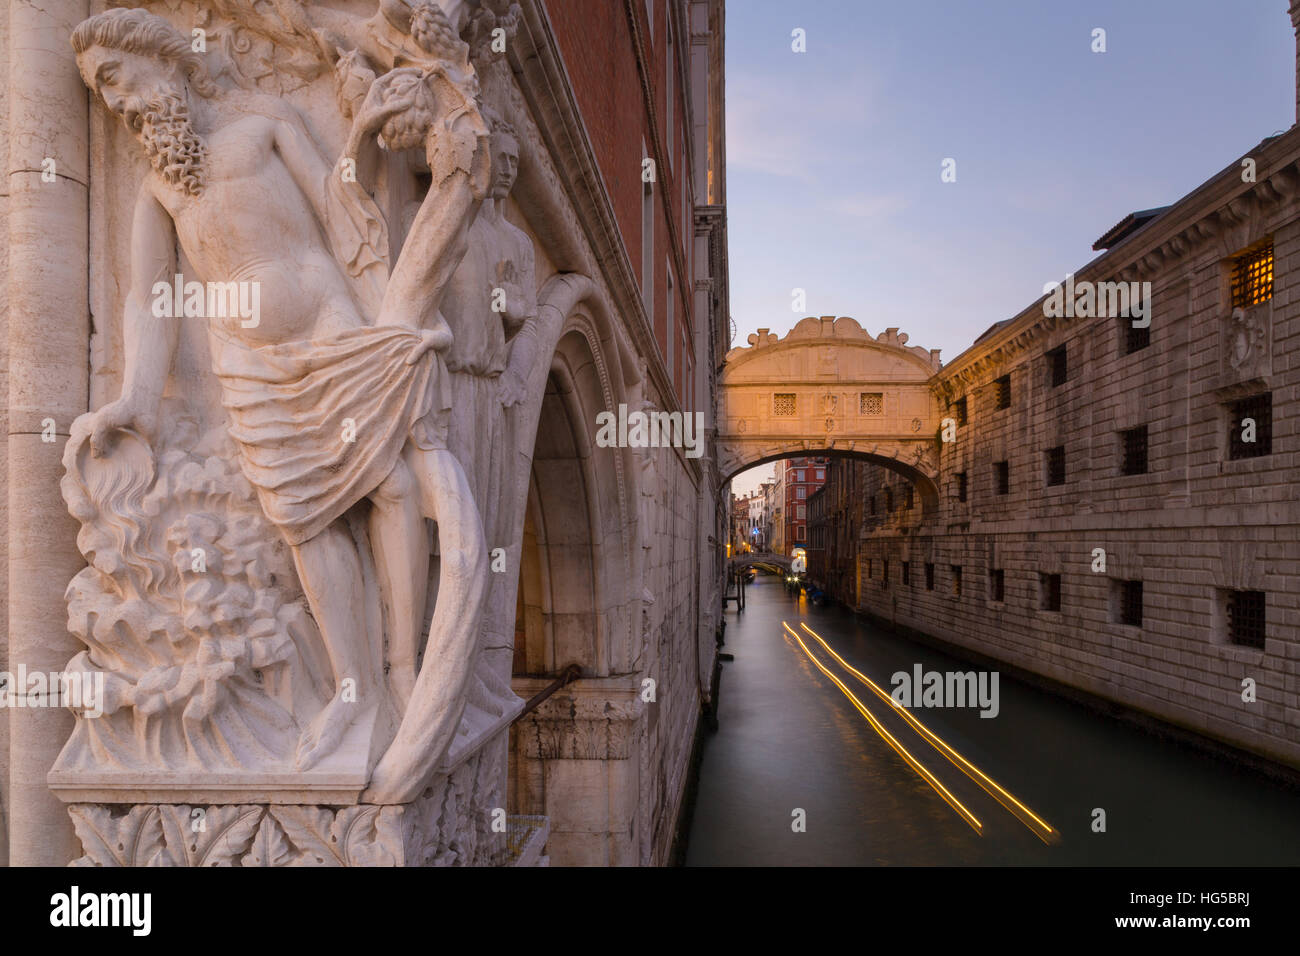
[(871, 504), (889, 501), (868, 569), (1135, 338), (959, 410), (997, 585), (956, 579), (884, 574), (1130, 602), (1049, 586), (929, 576), (1056, 366), (1246, 618), (1056, 465), (1133, 444), (1252, 275), (1250, 427), (1002, 477), (907, 573), (961, 486), (1002, 392)]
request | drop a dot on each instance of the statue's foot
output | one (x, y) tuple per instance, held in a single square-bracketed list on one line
[(325, 732)]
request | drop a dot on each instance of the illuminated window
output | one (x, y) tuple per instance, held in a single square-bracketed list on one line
[(1252, 275), (1002, 392)]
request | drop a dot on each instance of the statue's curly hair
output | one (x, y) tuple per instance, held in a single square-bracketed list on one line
[(144, 34)]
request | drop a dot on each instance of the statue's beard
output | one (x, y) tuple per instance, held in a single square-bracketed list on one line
[(174, 149)]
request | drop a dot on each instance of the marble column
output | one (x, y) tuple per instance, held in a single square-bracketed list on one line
[(48, 379)]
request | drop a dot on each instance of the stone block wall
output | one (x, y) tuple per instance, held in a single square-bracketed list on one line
[(1194, 527)]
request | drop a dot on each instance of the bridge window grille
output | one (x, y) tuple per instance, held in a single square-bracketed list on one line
[(907, 573), (997, 585), (1002, 392), (1252, 275), (783, 404), (871, 403), (1246, 618), (929, 576), (1050, 587), (1056, 365), (1002, 477), (959, 410), (956, 579), (961, 486), (1056, 465), (1130, 603), (1133, 443), (1259, 410)]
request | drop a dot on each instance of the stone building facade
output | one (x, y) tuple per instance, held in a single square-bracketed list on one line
[(1117, 508), (615, 563)]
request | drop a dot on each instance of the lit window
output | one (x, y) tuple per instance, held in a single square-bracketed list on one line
[(1252, 275)]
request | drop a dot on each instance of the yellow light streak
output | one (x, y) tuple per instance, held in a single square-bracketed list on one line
[(889, 738), (1036, 824)]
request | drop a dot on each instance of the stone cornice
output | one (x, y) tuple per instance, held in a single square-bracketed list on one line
[(829, 330), (1212, 213)]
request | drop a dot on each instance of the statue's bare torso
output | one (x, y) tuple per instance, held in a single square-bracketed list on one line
[(253, 223)]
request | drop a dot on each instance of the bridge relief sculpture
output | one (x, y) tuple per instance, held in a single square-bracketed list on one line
[(258, 590)]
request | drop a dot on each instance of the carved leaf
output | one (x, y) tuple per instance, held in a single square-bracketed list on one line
[(269, 847), (130, 839), (309, 829), (215, 838)]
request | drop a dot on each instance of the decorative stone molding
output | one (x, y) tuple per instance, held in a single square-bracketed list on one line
[(589, 720)]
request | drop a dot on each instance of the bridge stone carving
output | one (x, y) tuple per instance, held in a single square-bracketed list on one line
[(829, 386)]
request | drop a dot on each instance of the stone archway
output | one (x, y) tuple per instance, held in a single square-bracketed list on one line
[(829, 388)]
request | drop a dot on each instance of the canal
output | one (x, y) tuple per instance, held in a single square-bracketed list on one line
[(1021, 788)]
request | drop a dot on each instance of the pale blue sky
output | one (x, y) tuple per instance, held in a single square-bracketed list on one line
[(833, 155)]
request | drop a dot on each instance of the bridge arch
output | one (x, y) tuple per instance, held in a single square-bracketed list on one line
[(829, 388)]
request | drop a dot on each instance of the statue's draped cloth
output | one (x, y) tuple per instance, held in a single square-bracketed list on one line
[(289, 406)]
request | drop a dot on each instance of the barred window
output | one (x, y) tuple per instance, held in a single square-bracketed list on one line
[(783, 404), (1130, 603), (961, 486), (1133, 442), (1252, 275), (956, 579), (929, 576), (1135, 339), (997, 584), (1002, 392), (1050, 591), (1246, 618), (1056, 366), (872, 504), (1002, 477), (959, 410), (1056, 465), (871, 403), (1250, 427), (907, 573), (884, 574)]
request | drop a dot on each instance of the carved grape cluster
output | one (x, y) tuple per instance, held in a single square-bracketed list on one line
[(433, 32)]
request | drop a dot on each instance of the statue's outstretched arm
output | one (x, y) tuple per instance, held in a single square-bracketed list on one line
[(149, 340)]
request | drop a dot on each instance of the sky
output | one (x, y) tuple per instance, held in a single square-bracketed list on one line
[(834, 155)]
